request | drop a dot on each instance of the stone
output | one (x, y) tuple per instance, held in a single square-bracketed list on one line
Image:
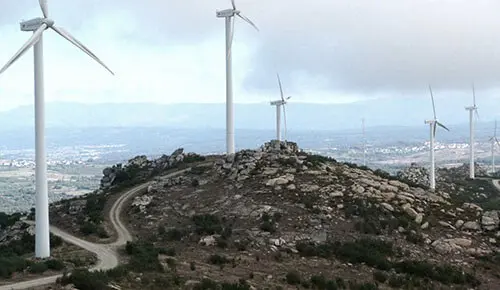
[(208, 241), (336, 194), (419, 218), (459, 224), (387, 206), (490, 220), (471, 226), (270, 171), (410, 211)]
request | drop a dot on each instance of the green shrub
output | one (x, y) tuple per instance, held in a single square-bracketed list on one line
[(193, 157), (218, 259), (167, 251), (174, 234), (144, 256), (55, 265), (84, 280), (316, 159), (293, 278), (268, 227), (207, 224), (10, 265), (38, 268), (7, 220), (380, 276)]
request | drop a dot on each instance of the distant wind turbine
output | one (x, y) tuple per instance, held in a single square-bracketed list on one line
[(38, 26), (471, 110), (494, 141), (279, 104), (229, 14), (432, 124)]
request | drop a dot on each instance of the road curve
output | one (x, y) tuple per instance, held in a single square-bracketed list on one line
[(496, 183), (106, 253)]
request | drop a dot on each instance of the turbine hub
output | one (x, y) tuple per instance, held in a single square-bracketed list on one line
[(49, 22)]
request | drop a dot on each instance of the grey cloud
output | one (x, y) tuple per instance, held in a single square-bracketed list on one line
[(383, 46), (358, 46)]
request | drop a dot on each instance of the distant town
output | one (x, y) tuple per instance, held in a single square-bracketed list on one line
[(77, 170)]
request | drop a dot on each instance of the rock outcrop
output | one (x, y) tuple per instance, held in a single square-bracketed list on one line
[(140, 167)]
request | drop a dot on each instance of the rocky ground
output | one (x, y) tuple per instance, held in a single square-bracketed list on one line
[(278, 218), (86, 217)]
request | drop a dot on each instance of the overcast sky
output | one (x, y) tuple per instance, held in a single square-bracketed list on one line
[(169, 51)]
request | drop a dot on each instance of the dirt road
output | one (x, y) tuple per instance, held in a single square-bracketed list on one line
[(106, 253), (496, 183)]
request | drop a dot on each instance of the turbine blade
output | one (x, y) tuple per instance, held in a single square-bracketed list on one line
[(442, 126), (434, 129), (231, 38), (31, 41), (495, 129), (477, 115), (432, 98), (80, 45), (45, 9), (234, 5), (248, 21), (284, 119), (281, 88)]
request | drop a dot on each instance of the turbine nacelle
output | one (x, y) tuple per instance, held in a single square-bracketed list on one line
[(227, 13), (471, 108), (35, 23), (278, 103)]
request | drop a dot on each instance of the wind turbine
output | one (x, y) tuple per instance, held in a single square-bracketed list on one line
[(38, 26), (229, 14), (494, 140), (471, 110), (432, 124), (280, 103), (364, 140)]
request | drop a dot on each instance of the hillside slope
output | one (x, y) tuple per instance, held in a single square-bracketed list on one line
[(279, 218)]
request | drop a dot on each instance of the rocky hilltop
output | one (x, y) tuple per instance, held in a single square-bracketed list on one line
[(280, 218)]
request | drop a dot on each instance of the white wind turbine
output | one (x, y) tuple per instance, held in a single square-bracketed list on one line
[(432, 124), (38, 26), (494, 141), (229, 14), (471, 110), (280, 103)]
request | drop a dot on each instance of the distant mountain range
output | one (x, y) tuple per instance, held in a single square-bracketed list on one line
[(152, 128), (300, 116)]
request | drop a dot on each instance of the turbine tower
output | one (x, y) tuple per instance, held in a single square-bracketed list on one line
[(38, 26), (280, 103), (494, 141), (229, 14), (471, 110), (432, 124)]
